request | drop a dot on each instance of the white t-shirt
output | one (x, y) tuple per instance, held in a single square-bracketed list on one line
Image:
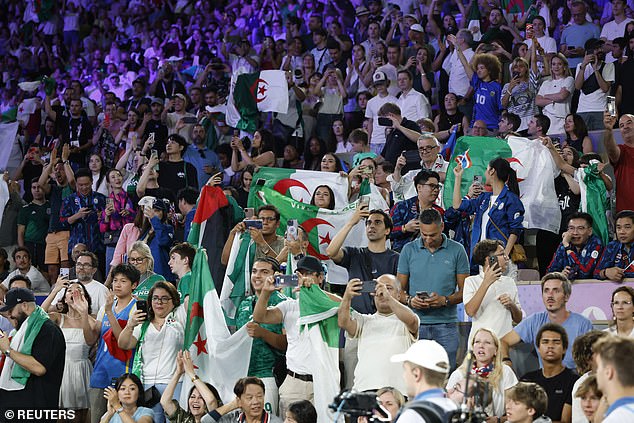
[(372, 112), (160, 348), (485, 218), (38, 282), (612, 30), (612, 330), (491, 314), (97, 291), (548, 44), (380, 337), (414, 105), (557, 112), (298, 352), (508, 380), (596, 101), (458, 81)]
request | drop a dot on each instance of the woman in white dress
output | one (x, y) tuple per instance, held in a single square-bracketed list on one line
[(488, 365), (80, 332)]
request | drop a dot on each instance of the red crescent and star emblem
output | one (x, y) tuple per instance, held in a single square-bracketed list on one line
[(283, 185), (512, 160), (259, 89), (308, 226)]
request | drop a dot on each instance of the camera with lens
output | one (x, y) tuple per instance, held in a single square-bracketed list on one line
[(298, 77), (357, 404)]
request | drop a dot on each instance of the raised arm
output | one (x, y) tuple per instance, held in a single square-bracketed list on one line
[(343, 314), (334, 248), (614, 153), (261, 312)]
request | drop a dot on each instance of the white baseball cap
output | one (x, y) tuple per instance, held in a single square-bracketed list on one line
[(425, 353), (417, 28), (379, 77)]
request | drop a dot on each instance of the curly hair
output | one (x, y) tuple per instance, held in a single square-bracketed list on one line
[(490, 62)]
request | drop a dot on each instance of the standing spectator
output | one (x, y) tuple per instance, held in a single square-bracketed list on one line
[(31, 167), (518, 96), (104, 139), (23, 267), (575, 35), (449, 117), (499, 30), (615, 260), (166, 85), (82, 211), (160, 237), (33, 222), (175, 173), (153, 124), (140, 256), (9, 226), (459, 80), (179, 121), (615, 376), (549, 44), (376, 132), (73, 128), (99, 172), (262, 151), (616, 27), (433, 290), (148, 182), (621, 157), (402, 134), (555, 93), (331, 93), (594, 79), (33, 358), (205, 160), (413, 104), (181, 259)]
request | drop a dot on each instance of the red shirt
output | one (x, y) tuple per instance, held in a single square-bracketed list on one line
[(624, 172)]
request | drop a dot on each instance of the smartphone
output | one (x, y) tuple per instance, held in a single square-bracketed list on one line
[(141, 305), (291, 229), (383, 121), (249, 212), (611, 105), (516, 75), (364, 200), (529, 31), (236, 132), (190, 120), (477, 179), (286, 280), (64, 272), (253, 223), (423, 295), (368, 287), (260, 182), (109, 202), (154, 153), (492, 261)]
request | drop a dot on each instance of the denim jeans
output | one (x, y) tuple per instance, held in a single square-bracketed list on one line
[(446, 334)]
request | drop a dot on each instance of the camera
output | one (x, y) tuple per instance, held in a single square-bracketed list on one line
[(357, 404), (298, 77)]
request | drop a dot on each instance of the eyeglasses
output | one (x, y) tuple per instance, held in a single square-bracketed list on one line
[(83, 265), (268, 219), (577, 228), (427, 148), (136, 260), (621, 303), (433, 187), (161, 300)]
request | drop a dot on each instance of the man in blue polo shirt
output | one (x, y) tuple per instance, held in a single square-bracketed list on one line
[(615, 376), (432, 270)]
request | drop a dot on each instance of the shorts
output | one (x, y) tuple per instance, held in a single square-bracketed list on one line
[(56, 247)]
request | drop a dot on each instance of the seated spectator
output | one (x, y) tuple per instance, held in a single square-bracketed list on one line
[(480, 129), (125, 399), (538, 126), (393, 325), (579, 251), (490, 298), (179, 121), (22, 258), (248, 405), (302, 412), (202, 397), (613, 355), (508, 124), (553, 376), (331, 163), (315, 149), (622, 312), (589, 395), (488, 365), (617, 259), (292, 159), (556, 290), (583, 356), (448, 118), (262, 151), (526, 403)]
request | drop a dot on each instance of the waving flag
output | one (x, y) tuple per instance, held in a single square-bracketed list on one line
[(464, 160), (594, 200), (447, 149), (251, 93), (536, 172)]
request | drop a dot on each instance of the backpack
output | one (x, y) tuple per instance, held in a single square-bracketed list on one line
[(429, 411)]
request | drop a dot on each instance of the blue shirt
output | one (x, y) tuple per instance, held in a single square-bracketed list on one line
[(582, 262), (575, 326), (194, 155), (576, 36), (85, 230), (140, 412), (616, 255), (434, 272), (488, 102), (625, 402)]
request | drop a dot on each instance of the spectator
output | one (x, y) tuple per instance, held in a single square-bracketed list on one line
[(621, 157), (262, 152), (589, 396), (161, 237), (338, 141), (33, 222), (202, 158), (99, 172), (140, 256), (614, 376), (85, 268), (30, 168), (577, 134), (269, 341), (331, 93), (74, 317), (575, 35), (246, 179), (458, 79), (616, 27), (8, 226), (556, 290), (104, 139), (22, 258), (526, 403), (487, 365), (547, 43), (166, 85), (401, 135), (111, 361), (553, 376), (186, 201), (377, 132), (449, 117), (148, 181), (622, 312), (330, 163), (125, 398), (34, 355), (508, 125), (584, 360), (323, 197), (555, 93), (490, 298), (518, 96), (176, 173), (434, 297), (178, 122), (73, 128), (315, 149), (499, 30), (129, 134), (393, 324), (202, 398), (538, 126), (578, 253), (291, 158), (153, 124), (302, 411), (412, 103), (181, 260)]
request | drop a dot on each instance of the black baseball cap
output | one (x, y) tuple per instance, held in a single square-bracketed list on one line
[(310, 263), (17, 296)]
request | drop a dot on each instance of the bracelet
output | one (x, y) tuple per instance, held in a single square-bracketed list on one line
[(195, 378), (408, 300), (506, 359)]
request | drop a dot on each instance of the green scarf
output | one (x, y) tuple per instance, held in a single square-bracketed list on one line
[(34, 324)]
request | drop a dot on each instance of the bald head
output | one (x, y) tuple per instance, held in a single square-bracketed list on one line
[(388, 280), (626, 125)]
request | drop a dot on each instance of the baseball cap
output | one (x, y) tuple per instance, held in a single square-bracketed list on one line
[(181, 96), (417, 27), (309, 263), (160, 204), (379, 77), (361, 10), (17, 296), (156, 100), (427, 354), (411, 15)]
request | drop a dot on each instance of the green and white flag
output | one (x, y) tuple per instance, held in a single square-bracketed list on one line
[(318, 322), (252, 93), (594, 200)]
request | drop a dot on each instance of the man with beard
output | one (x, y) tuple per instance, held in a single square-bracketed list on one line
[(174, 173), (22, 259), (153, 124), (138, 100), (85, 268), (166, 86), (30, 380), (202, 158), (178, 121)]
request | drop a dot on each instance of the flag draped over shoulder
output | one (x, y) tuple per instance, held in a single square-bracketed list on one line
[(265, 91), (221, 358), (536, 172), (594, 200), (318, 322), (237, 281)]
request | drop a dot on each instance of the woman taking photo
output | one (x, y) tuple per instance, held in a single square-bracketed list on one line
[(160, 237), (622, 312), (498, 214), (331, 93), (202, 397), (104, 139), (262, 151), (157, 337), (487, 364), (124, 402), (518, 96), (130, 132), (555, 94)]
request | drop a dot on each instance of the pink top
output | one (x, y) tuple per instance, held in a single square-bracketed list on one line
[(129, 235)]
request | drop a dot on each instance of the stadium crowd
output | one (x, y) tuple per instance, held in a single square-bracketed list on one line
[(127, 123)]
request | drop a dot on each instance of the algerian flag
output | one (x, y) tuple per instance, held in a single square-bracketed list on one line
[(8, 132), (252, 93), (237, 282), (221, 358), (9, 114), (594, 200), (473, 20), (536, 172), (26, 109), (318, 322)]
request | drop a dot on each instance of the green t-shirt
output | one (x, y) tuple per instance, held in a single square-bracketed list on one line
[(143, 289), (262, 354), (183, 285), (36, 219)]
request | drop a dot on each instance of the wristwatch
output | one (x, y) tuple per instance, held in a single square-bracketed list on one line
[(447, 303), (7, 352), (118, 410)]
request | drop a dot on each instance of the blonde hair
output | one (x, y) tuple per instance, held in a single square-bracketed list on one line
[(144, 250), (495, 377)]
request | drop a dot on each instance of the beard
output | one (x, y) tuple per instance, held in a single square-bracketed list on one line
[(19, 319)]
